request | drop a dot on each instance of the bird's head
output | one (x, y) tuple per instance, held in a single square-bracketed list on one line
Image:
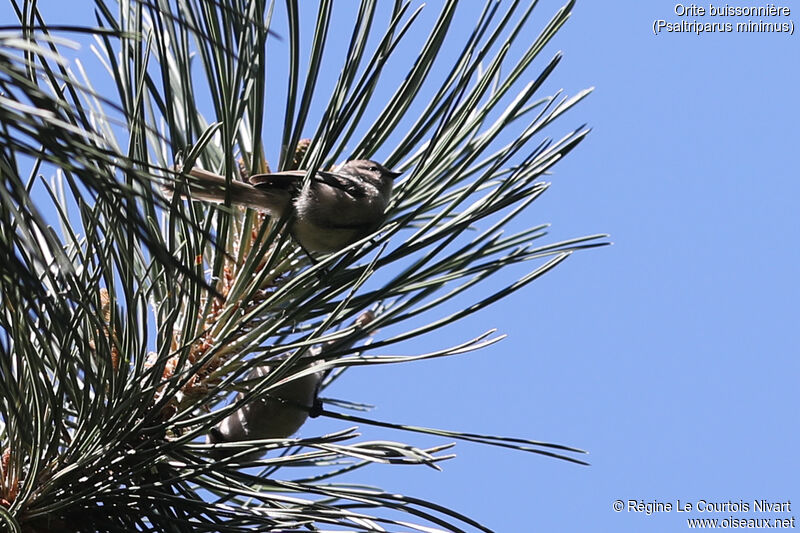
[(369, 170)]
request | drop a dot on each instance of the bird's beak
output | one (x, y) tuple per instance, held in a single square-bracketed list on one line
[(392, 174)]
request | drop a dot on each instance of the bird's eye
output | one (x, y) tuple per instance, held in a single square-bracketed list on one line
[(373, 169)]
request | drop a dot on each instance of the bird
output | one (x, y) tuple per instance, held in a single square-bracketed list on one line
[(336, 209), (285, 408), (278, 415)]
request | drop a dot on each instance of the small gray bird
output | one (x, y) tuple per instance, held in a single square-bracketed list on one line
[(336, 209), (284, 410), (277, 416)]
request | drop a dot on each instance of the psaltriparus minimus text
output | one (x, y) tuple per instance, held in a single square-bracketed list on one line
[(336, 209)]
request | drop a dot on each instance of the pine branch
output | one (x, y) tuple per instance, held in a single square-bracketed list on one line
[(129, 317)]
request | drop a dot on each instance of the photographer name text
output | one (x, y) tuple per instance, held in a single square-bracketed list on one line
[(705, 506)]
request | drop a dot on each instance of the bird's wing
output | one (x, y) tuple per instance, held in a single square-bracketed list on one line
[(353, 187), (292, 178), (278, 180)]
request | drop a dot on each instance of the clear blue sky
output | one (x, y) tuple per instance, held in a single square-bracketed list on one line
[(671, 356)]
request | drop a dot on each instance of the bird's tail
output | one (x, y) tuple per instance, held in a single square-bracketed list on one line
[(209, 187)]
